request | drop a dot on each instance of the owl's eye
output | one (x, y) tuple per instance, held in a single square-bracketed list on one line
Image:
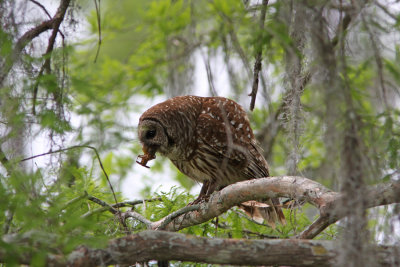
[(150, 134)]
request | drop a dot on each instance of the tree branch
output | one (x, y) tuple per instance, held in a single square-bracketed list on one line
[(57, 19), (285, 186), (161, 245), (377, 195), (28, 36), (294, 187), (257, 64)]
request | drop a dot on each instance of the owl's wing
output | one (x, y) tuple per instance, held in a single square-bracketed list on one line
[(245, 156), (226, 132), (220, 138), (229, 136)]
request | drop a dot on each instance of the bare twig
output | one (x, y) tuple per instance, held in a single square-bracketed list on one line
[(387, 12), (210, 76), (258, 64), (175, 214), (135, 202), (260, 235), (98, 17), (137, 216), (103, 203), (36, 88), (111, 208), (47, 13), (316, 228), (42, 7), (98, 210)]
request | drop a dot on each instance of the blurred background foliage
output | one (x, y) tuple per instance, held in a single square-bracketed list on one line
[(330, 72)]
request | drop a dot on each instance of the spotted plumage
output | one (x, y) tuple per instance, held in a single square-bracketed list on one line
[(207, 138)]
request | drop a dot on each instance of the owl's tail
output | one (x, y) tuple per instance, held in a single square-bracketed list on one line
[(268, 210)]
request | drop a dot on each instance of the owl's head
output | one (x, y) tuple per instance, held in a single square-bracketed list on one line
[(153, 137)]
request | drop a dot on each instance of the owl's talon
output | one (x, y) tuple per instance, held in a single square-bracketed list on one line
[(199, 199)]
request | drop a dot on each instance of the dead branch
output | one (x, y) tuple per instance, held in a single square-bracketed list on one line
[(257, 64), (161, 245)]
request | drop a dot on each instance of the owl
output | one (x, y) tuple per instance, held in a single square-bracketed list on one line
[(210, 140)]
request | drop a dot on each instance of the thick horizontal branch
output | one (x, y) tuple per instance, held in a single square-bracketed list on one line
[(294, 187), (161, 245)]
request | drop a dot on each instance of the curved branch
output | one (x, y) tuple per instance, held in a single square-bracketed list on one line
[(294, 187), (137, 216), (271, 187), (377, 195), (175, 214)]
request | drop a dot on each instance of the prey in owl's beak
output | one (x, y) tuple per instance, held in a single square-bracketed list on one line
[(149, 154), (152, 137)]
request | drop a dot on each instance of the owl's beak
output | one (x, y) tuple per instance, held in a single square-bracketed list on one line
[(149, 150)]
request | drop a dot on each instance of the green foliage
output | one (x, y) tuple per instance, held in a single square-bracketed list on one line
[(52, 217)]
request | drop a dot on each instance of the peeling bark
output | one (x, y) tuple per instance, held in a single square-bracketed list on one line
[(161, 245)]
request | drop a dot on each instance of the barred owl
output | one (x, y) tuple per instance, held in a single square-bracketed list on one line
[(210, 140)]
